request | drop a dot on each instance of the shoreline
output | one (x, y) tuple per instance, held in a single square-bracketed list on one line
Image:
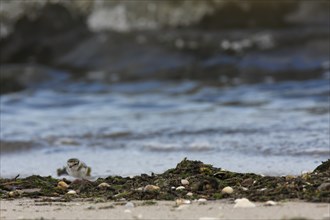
[(191, 190), (209, 210)]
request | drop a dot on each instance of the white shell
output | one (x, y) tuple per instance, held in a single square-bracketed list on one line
[(103, 186), (244, 203), (71, 192), (227, 190), (180, 188), (270, 203), (184, 182)]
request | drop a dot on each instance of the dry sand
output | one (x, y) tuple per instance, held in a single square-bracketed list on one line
[(31, 209)]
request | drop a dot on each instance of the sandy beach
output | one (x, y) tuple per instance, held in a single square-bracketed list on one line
[(38, 209)]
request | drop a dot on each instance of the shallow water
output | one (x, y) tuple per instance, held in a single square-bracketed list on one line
[(144, 127)]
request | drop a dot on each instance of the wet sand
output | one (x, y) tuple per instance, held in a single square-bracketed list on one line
[(221, 209)]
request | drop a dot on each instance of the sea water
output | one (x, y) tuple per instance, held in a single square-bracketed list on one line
[(142, 127)]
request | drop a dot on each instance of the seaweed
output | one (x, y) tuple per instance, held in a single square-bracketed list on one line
[(205, 181)]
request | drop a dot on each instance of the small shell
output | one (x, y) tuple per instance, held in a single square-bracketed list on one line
[(71, 192), (180, 188), (62, 185), (227, 190), (270, 203), (151, 188), (103, 186), (244, 203), (184, 182)]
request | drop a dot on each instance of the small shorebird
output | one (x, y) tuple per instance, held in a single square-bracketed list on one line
[(78, 169)]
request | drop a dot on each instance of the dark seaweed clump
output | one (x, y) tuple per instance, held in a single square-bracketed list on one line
[(205, 181)]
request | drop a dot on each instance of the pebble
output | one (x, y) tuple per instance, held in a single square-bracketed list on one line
[(180, 188), (151, 188), (190, 194), (184, 182), (202, 201), (71, 192), (62, 185), (244, 203), (103, 186), (129, 205), (227, 190), (15, 193), (270, 203), (127, 211)]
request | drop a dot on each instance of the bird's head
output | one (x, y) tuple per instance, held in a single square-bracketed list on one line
[(73, 162)]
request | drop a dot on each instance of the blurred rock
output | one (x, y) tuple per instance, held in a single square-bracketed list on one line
[(52, 31), (227, 43)]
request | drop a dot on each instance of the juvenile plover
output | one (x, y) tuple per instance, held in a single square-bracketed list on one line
[(78, 169)]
